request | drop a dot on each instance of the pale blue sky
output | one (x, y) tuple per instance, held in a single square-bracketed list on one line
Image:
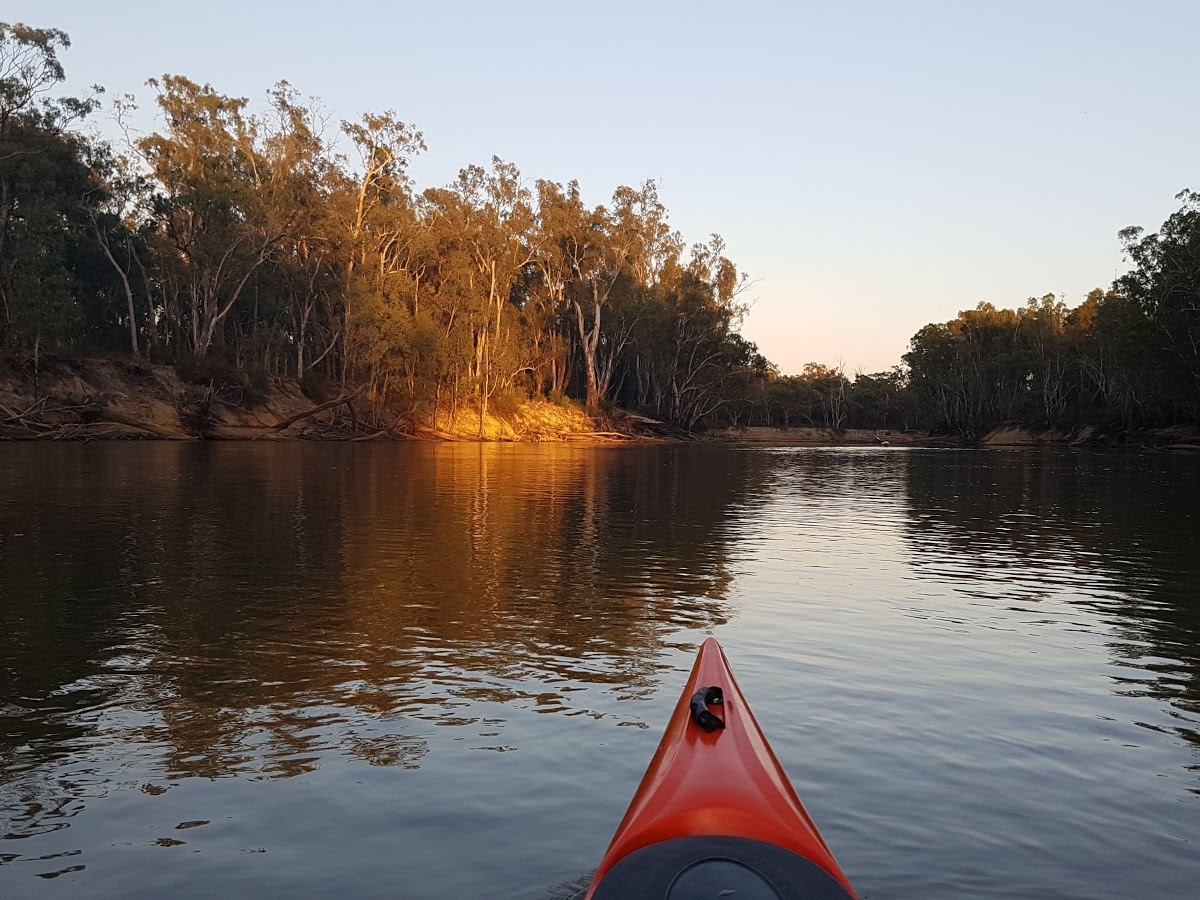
[(875, 166)]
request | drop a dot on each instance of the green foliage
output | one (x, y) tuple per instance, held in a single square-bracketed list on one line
[(43, 178), (231, 240), (1164, 284), (1128, 357), (237, 238), (1103, 362)]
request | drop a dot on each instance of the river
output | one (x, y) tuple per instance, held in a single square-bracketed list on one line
[(439, 671)]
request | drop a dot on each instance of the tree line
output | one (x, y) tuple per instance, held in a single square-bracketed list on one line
[(275, 241)]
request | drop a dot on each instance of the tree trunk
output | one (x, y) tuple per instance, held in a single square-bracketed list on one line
[(588, 341), (301, 338), (151, 324), (103, 241), (6, 205)]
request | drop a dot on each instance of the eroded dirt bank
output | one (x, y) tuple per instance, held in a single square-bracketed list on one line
[(125, 399), (121, 399), (1178, 439)]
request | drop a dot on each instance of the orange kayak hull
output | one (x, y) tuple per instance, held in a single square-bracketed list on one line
[(726, 782)]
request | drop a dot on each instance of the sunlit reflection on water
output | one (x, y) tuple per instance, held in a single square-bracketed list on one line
[(440, 671)]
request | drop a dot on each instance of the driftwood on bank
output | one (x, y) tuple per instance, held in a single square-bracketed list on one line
[(103, 414), (319, 408), (390, 431), (54, 421), (19, 417), (593, 435), (435, 434)]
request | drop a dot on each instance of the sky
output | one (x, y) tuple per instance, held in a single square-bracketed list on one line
[(872, 166)]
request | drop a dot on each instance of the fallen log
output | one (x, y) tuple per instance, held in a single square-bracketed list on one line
[(244, 433), (610, 435), (14, 416), (109, 415), (292, 420), (435, 433), (384, 432)]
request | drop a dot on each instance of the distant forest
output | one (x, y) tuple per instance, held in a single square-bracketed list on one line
[(239, 244)]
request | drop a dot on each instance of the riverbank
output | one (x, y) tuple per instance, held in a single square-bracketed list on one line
[(102, 398), (124, 399), (1011, 436), (1177, 439), (805, 435)]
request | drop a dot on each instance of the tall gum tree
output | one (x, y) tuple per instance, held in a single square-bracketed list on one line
[(43, 177), (557, 231), (232, 193), (496, 219), (377, 205), (1165, 284), (116, 202)]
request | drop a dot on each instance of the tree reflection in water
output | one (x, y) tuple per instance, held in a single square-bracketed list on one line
[(231, 610), (329, 653), (1113, 533)]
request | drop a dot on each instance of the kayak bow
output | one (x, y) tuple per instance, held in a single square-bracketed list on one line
[(715, 812)]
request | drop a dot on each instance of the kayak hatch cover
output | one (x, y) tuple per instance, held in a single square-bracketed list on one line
[(715, 815)]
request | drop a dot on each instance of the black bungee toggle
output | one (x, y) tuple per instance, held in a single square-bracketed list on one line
[(701, 700)]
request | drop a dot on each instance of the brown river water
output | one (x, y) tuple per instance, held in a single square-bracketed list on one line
[(440, 671)]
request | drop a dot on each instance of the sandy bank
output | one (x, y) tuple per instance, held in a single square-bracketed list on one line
[(807, 435), (1178, 439)]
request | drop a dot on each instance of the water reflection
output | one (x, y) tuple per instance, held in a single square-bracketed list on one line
[(1116, 534), (290, 669), (218, 611)]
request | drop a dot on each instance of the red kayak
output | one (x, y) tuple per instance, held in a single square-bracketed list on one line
[(715, 815)]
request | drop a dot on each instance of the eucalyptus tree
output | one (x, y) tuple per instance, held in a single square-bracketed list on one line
[(206, 180), (684, 351), (964, 370), (630, 238), (881, 400), (827, 388), (234, 193), (245, 233), (583, 255), (29, 69), (1165, 284), (43, 176), (554, 270), (1049, 360), (376, 207), (297, 186), (1119, 361), (491, 216), (117, 203)]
